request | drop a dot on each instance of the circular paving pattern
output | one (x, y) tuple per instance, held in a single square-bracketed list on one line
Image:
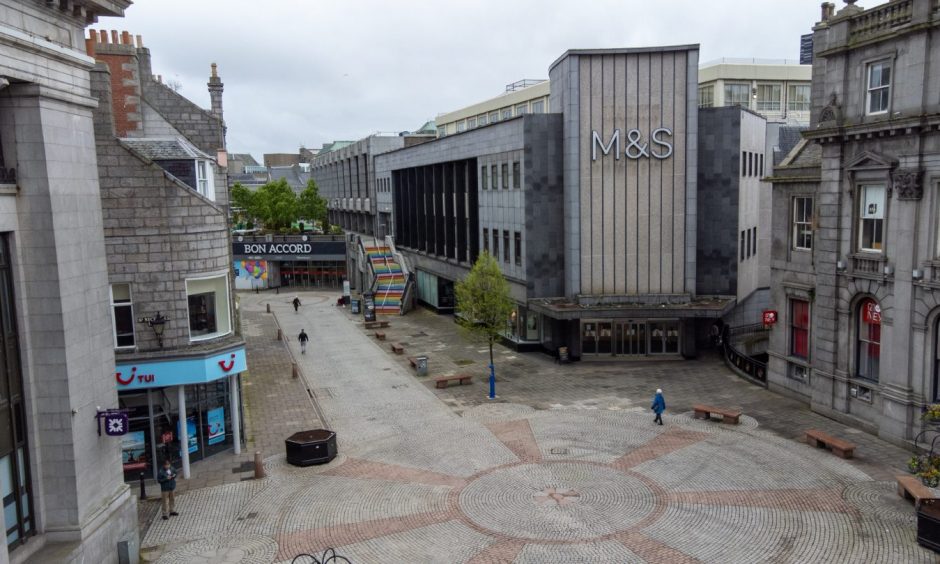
[(240, 549), (558, 501)]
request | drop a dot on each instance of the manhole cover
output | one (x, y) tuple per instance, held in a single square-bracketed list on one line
[(558, 450), (463, 362)]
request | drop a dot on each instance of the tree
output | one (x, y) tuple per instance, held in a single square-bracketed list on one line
[(275, 204), (484, 305), (311, 206)]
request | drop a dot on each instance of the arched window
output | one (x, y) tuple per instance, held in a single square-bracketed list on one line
[(869, 340)]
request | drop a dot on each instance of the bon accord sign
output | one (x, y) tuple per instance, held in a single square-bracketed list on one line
[(158, 374), (656, 146), (288, 249), (277, 248)]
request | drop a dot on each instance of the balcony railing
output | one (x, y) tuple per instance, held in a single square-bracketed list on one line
[(881, 19), (869, 266)]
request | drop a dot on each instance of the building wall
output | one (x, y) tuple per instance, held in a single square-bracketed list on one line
[(630, 222), (447, 123), (753, 271)]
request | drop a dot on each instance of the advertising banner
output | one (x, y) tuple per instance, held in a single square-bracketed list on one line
[(134, 451), (215, 421), (190, 434)]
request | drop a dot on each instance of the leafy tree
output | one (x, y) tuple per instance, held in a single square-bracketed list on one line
[(275, 204), (484, 305), (311, 206)]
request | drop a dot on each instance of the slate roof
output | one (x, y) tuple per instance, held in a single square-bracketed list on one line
[(165, 149), (295, 176), (245, 158)]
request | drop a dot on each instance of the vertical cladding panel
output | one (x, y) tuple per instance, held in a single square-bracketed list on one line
[(433, 179), (572, 175), (419, 209), (643, 123), (691, 163), (460, 214), (619, 209), (596, 193), (655, 175), (439, 191), (680, 179), (609, 185), (473, 212), (668, 182), (414, 214), (632, 174), (396, 204), (450, 223), (586, 284)]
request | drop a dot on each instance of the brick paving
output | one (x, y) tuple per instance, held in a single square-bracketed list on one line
[(565, 465)]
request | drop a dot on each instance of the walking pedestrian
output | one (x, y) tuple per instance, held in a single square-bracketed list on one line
[(296, 303), (303, 338), (659, 406), (167, 479)]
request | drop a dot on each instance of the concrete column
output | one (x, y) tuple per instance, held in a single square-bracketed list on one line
[(184, 430), (236, 403), (4, 556)]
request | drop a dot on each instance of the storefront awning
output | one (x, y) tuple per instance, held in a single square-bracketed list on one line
[(156, 373), (711, 307)]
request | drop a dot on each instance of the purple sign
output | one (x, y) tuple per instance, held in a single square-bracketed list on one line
[(115, 423)]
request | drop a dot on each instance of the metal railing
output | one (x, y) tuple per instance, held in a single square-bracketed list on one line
[(329, 556), (748, 366)]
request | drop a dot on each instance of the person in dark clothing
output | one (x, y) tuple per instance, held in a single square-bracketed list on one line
[(659, 406), (303, 338), (167, 479), (296, 303)]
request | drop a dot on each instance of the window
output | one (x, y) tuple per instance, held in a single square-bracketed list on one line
[(494, 117), (505, 176), (737, 95), (798, 97), (461, 126), (122, 312), (516, 175), (441, 131), (483, 177), (743, 163), (869, 340), (486, 240), (481, 121), (506, 246), (754, 239), (748, 232), (802, 223), (769, 97), (496, 244), (208, 307), (743, 249), (761, 171), (471, 123), (879, 88), (522, 109), (750, 164), (494, 177), (799, 329), (871, 218), (706, 96), (538, 107), (518, 248), (506, 113), (203, 179)]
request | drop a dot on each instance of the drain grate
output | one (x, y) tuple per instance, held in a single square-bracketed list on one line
[(558, 450)]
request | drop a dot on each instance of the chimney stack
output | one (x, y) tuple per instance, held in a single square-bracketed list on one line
[(117, 51), (215, 91)]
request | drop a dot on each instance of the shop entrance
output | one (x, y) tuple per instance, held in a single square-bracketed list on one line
[(312, 274), (629, 337)]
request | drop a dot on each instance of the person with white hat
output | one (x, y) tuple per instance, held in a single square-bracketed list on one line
[(659, 406)]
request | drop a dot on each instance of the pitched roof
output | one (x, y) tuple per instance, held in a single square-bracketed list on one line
[(245, 158), (165, 149)]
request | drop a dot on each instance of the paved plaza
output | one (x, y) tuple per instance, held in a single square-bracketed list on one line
[(566, 465)]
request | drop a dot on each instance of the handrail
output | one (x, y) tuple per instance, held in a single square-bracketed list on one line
[(745, 364)]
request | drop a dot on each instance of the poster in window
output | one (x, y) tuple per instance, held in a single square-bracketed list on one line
[(133, 451), (215, 420), (190, 433), (871, 313)]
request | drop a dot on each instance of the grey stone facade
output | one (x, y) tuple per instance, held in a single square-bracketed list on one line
[(887, 151), (52, 218)]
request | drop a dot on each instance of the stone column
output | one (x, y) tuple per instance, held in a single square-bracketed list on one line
[(184, 430), (236, 423)]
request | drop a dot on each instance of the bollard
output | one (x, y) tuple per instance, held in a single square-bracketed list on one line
[(269, 308), (259, 466), (143, 487), (294, 371), (280, 335)]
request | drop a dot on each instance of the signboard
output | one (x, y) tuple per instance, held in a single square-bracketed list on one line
[(871, 313), (134, 451), (190, 434), (346, 288), (769, 317), (369, 306), (157, 374), (215, 420), (563, 354), (275, 249), (115, 424), (637, 146)]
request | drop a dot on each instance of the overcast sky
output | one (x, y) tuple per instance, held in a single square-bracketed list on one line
[(305, 72)]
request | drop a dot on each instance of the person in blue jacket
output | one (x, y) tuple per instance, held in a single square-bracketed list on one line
[(659, 406)]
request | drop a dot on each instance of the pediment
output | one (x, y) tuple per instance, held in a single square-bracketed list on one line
[(869, 160)]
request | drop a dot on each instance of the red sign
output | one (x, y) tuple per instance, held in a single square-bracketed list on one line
[(871, 313), (770, 317)]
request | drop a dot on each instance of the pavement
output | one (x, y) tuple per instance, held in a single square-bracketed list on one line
[(565, 465)]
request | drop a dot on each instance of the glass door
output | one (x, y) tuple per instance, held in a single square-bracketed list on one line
[(604, 337)]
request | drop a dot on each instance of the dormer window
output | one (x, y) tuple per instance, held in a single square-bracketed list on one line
[(204, 179), (879, 88)]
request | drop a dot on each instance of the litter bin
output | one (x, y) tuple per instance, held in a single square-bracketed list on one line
[(421, 365)]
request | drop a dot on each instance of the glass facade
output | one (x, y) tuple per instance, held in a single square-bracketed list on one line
[(312, 274), (629, 337)]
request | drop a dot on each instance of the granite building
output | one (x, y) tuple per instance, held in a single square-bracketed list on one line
[(64, 498), (856, 265)]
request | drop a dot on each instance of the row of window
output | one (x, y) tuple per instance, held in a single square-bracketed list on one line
[(517, 240), (497, 176), (529, 107), (208, 306), (767, 97), (871, 214), (748, 246), (752, 164), (383, 185)]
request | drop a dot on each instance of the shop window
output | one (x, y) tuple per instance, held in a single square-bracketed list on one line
[(798, 96), (871, 213), (518, 248), (506, 247), (802, 223), (538, 107), (768, 97), (122, 311), (516, 175), (208, 307), (799, 329), (737, 95), (878, 88), (869, 340), (505, 168), (706, 96)]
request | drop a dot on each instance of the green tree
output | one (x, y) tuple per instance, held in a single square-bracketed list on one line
[(484, 305), (275, 204), (311, 206)]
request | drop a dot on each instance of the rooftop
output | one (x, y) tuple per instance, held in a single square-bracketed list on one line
[(164, 149)]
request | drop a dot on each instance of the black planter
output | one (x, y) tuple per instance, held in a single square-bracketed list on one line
[(928, 526), (311, 447)]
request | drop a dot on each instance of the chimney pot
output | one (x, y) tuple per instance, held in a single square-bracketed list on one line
[(140, 42), (215, 73), (114, 37), (90, 45), (126, 38), (104, 37)]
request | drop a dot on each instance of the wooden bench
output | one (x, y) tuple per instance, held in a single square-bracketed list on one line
[(375, 324), (910, 487), (397, 348), (413, 361), (444, 380), (840, 448), (380, 335), (729, 416)]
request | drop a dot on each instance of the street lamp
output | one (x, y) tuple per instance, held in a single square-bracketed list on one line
[(158, 324)]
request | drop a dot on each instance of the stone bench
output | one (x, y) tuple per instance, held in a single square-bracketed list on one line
[(380, 335), (397, 348), (375, 324), (443, 381), (729, 416), (910, 487), (839, 447)]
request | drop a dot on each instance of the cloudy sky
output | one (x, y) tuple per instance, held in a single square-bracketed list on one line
[(305, 72)]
